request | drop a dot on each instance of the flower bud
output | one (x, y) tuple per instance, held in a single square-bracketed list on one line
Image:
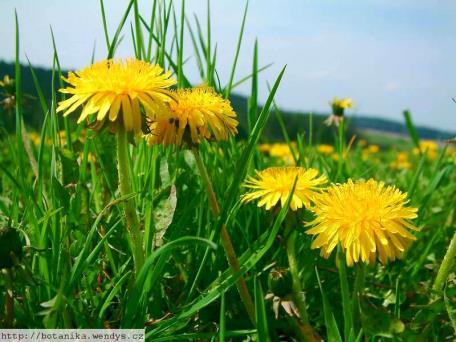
[(280, 282)]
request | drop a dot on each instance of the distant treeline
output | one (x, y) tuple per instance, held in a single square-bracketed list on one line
[(295, 122)]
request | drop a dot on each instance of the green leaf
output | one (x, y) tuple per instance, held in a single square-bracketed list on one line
[(225, 281), (332, 330), (139, 291), (163, 215), (260, 311)]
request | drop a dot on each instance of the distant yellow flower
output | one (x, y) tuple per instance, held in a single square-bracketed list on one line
[(338, 107), (401, 165), (402, 156), (7, 93), (35, 138), (91, 158), (373, 148), (264, 147), (196, 114), (367, 218), (6, 82), (279, 150), (275, 184), (325, 149), (282, 151), (117, 89), (401, 162), (428, 145), (362, 143), (341, 104)]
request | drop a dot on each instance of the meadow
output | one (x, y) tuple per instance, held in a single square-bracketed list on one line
[(137, 204)]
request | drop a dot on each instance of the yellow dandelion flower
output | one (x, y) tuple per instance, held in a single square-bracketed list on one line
[(196, 114), (367, 218), (335, 156), (264, 148), (401, 165), (283, 152), (35, 138), (338, 107), (429, 153), (373, 149), (428, 145), (341, 103), (362, 143), (6, 82), (275, 184), (402, 156), (325, 149), (117, 89), (401, 162), (279, 150)]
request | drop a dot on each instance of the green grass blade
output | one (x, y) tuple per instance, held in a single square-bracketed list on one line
[(332, 330), (105, 27), (152, 22), (18, 106), (115, 39), (236, 54), (224, 282), (180, 70), (233, 190), (138, 289), (411, 128), (261, 315), (253, 98), (248, 77), (208, 45), (138, 32), (222, 331), (111, 294)]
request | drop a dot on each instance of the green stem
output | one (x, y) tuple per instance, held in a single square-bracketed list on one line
[(131, 217), (346, 307), (226, 240), (341, 148), (357, 291), (446, 266), (298, 294)]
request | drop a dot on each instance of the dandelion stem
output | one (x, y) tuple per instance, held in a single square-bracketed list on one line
[(341, 148), (298, 294), (346, 307), (131, 217), (357, 291), (446, 266), (225, 237)]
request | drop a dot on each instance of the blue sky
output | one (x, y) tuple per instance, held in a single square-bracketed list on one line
[(386, 55)]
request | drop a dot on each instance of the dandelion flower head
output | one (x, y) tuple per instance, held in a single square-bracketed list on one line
[(196, 114), (274, 184), (367, 218), (116, 89)]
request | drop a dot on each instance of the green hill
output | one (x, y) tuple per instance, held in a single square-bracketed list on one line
[(295, 122)]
